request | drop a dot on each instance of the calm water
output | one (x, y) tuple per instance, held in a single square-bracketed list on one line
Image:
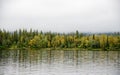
[(58, 62)]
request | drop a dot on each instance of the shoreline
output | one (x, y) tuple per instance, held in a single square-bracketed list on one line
[(79, 49)]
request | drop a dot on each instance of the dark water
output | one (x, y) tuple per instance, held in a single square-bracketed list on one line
[(59, 62)]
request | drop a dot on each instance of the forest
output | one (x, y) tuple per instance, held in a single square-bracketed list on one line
[(23, 38)]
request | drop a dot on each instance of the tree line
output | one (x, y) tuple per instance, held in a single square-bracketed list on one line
[(35, 39)]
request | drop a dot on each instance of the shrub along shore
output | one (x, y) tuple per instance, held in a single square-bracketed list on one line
[(33, 39)]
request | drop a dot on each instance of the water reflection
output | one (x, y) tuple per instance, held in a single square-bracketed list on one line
[(59, 62)]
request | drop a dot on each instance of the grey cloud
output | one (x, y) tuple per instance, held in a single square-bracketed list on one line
[(61, 15)]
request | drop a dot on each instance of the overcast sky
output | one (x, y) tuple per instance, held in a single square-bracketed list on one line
[(61, 15)]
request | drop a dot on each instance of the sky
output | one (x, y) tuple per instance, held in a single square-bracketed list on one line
[(61, 15)]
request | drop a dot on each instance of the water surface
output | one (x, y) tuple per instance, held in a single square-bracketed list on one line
[(59, 62)]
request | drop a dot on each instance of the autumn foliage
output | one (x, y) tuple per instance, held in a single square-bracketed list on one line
[(34, 39)]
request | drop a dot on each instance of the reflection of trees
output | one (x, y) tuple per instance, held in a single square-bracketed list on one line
[(0, 55), (49, 56), (118, 59), (61, 58), (76, 57)]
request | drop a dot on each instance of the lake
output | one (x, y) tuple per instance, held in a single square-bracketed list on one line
[(59, 62)]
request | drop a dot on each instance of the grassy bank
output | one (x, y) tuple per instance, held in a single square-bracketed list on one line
[(81, 49)]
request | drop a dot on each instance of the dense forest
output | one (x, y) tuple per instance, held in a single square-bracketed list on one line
[(35, 39)]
